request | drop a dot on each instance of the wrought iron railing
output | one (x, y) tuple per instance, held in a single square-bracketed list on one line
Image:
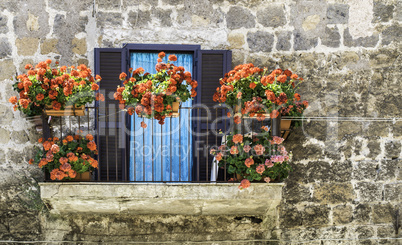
[(177, 151)]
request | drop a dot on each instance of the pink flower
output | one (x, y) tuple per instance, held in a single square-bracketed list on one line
[(268, 163), (259, 149), (247, 148), (276, 140), (267, 179), (260, 169), (277, 158)]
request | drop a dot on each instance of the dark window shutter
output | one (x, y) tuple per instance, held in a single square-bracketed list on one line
[(109, 65), (214, 65)]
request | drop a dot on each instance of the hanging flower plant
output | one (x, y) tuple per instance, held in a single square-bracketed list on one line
[(66, 158), (153, 95), (253, 91), (55, 87), (257, 157)]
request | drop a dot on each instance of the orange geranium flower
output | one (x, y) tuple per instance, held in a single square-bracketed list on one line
[(245, 183), (94, 86), (249, 162), (234, 150), (69, 138), (47, 145), (237, 138), (91, 145), (172, 57), (143, 125), (13, 100), (89, 137)]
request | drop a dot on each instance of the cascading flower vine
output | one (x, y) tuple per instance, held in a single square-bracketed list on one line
[(57, 87), (152, 95)]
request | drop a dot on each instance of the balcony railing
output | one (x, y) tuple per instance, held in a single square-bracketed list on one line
[(177, 151)]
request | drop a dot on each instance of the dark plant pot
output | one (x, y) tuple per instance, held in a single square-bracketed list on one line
[(276, 126)]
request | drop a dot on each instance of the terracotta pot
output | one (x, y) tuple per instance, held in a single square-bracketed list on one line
[(175, 107), (285, 127), (68, 111), (85, 176)]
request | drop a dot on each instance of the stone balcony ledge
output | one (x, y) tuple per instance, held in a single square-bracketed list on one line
[(161, 198)]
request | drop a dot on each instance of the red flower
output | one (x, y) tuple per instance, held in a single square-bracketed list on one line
[(40, 97)]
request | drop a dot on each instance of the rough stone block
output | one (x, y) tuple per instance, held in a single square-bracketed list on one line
[(388, 169), (375, 149), (392, 149), (163, 16), (20, 137), (7, 71), (260, 41), (27, 45), (139, 18), (338, 13), (3, 24), (385, 231), (303, 41), (31, 19), (105, 19), (283, 43), (349, 129), (365, 170), (128, 3), (361, 214), (392, 34), (272, 16), (332, 193), (236, 40), (369, 192), (342, 214), (364, 232), (383, 58), (383, 213), (377, 129), (315, 215), (331, 37), (79, 46), (4, 136), (238, 17), (295, 192), (290, 217), (393, 192), (367, 42), (5, 48), (49, 46), (109, 5), (382, 12)]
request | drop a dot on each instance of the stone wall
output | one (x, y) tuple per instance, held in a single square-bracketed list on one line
[(347, 181)]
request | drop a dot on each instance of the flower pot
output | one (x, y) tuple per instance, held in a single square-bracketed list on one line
[(175, 110), (85, 176), (236, 110), (285, 127), (68, 111)]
